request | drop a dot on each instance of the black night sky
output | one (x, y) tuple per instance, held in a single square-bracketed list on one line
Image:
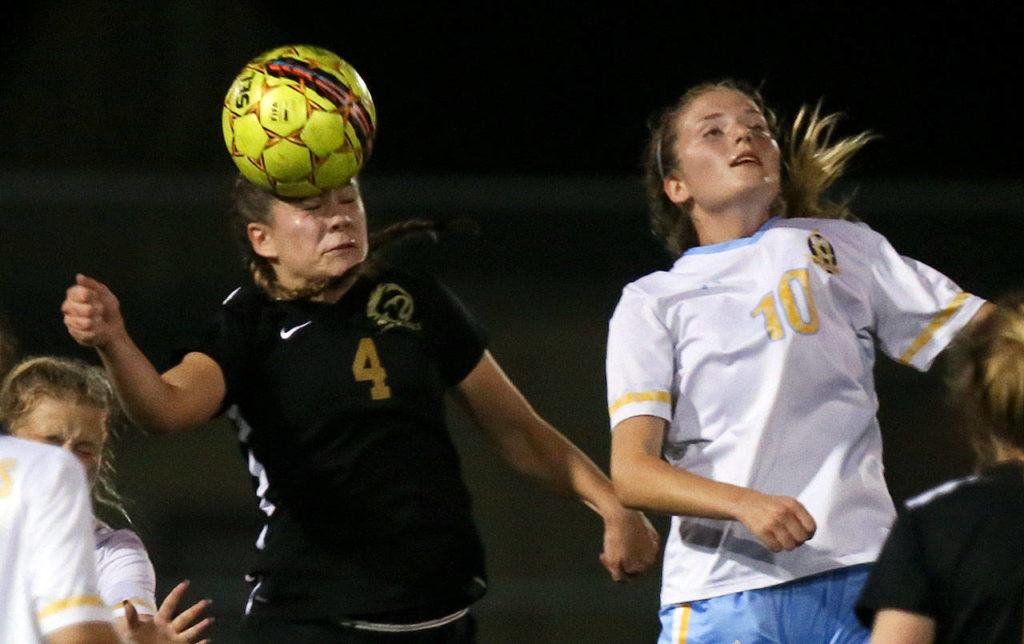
[(517, 88)]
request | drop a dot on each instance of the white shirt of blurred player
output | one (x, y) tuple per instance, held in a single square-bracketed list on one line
[(47, 565), (759, 353), (125, 571)]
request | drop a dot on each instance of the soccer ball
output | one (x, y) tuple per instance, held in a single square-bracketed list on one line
[(298, 120)]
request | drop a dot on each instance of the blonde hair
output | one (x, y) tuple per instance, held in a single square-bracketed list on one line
[(811, 164), (986, 377), (71, 380)]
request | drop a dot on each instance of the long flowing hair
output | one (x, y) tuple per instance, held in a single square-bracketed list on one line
[(811, 164)]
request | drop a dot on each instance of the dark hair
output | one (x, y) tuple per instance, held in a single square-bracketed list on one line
[(986, 376), (252, 204), (810, 165)]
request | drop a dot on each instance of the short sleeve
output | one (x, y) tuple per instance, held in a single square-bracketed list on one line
[(126, 573), (640, 361), (918, 310), (223, 339), (459, 338), (59, 525), (899, 578)]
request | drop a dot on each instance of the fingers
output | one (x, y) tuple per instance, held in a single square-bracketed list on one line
[(194, 631), (91, 312), (86, 290), (614, 567), (131, 616), (170, 603), (181, 622), (779, 522), (631, 546), (88, 282), (789, 532), (806, 520)]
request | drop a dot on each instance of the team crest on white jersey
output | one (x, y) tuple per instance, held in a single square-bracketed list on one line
[(822, 252), (392, 306)]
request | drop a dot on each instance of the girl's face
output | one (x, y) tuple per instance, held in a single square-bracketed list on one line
[(725, 154), (314, 239), (79, 428)]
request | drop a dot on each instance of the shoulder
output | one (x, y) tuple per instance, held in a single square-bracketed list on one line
[(245, 297), (110, 539), (653, 284), (943, 493), (982, 487), (418, 281), (839, 229), (404, 295)]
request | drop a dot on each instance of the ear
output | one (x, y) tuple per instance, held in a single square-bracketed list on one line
[(261, 236), (676, 189)]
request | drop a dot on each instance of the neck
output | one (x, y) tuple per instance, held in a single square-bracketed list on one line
[(715, 227), (327, 291), (336, 289)]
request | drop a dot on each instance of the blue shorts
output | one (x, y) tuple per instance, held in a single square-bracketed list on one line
[(813, 609)]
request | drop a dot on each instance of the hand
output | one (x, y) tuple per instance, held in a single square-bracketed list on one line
[(92, 314), (165, 627), (631, 545), (180, 625), (779, 522)]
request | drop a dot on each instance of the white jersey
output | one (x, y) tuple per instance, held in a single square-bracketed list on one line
[(759, 353), (125, 571), (47, 567)]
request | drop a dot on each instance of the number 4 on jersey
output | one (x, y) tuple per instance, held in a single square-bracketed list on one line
[(367, 368)]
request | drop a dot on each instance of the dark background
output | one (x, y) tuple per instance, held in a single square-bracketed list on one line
[(528, 118)]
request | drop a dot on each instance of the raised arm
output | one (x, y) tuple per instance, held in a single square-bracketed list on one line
[(535, 448), (645, 481), (182, 398)]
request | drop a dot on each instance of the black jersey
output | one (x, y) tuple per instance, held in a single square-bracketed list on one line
[(340, 412), (954, 554)]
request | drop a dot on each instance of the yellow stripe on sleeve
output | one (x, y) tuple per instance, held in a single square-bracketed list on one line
[(933, 326), (71, 602), (137, 602), (643, 396)]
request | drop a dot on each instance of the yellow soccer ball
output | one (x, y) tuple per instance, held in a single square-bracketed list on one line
[(298, 120)]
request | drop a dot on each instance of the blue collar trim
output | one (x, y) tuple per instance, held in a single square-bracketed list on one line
[(732, 243)]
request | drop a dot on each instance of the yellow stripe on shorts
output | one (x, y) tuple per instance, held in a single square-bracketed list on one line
[(684, 623)]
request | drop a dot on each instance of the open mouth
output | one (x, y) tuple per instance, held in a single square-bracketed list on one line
[(745, 159)]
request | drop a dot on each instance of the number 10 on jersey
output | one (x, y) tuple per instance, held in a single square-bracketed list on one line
[(802, 316)]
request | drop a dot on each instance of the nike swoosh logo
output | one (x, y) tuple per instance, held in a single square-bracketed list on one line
[(287, 333)]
